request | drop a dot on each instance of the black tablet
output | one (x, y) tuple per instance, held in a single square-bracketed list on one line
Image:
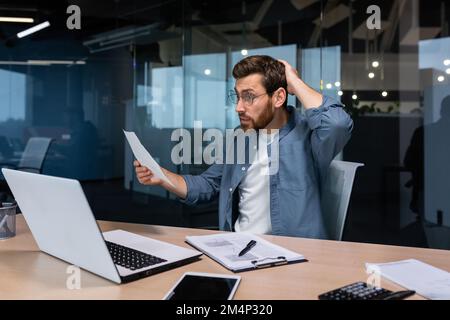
[(204, 286)]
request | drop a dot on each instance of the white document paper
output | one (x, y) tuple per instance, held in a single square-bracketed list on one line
[(144, 157), (225, 248), (426, 280)]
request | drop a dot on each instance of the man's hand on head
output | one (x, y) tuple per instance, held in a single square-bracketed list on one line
[(309, 97), (292, 77)]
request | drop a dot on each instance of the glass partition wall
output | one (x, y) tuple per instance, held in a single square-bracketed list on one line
[(157, 66)]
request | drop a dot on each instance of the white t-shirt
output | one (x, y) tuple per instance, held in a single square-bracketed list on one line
[(254, 194)]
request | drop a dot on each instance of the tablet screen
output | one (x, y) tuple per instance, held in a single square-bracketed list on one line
[(198, 287)]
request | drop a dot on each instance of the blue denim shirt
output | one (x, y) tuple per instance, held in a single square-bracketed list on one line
[(307, 145)]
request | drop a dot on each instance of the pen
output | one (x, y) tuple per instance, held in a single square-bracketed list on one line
[(247, 248), (3, 221), (399, 295)]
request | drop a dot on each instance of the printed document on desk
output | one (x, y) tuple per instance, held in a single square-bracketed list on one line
[(225, 248), (144, 157), (426, 280)]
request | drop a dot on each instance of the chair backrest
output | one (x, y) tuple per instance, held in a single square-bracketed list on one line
[(6, 150), (34, 154), (336, 196)]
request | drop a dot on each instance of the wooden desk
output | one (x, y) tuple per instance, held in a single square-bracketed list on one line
[(27, 273)]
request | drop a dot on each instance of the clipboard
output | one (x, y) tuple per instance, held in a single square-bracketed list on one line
[(224, 249)]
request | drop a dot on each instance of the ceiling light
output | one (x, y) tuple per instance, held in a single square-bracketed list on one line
[(384, 94), (447, 71), (51, 62), (340, 93), (440, 78), (16, 19), (38, 63), (447, 62), (371, 75), (375, 64), (244, 52), (329, 86), (207, 72), (337, 84), (354, 96), (34, 29), (42, 62)]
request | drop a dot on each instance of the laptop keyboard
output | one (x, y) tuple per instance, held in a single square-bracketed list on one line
[(130, 258)]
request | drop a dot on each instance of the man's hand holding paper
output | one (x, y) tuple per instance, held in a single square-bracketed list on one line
[(148, 170)]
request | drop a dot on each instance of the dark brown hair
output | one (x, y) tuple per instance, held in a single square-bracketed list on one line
[(273, 71)]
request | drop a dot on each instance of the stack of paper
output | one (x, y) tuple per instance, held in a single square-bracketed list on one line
[(426, 280)]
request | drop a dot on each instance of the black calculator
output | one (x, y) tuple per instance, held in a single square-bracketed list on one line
[(357, 291)]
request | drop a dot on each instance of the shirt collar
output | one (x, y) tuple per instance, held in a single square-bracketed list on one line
[(291, 122)]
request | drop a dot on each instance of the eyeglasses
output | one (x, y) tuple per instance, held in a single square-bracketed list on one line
[(247, 98)]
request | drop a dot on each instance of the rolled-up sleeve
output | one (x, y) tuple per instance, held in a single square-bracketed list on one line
[(331, 129), (204, 187)]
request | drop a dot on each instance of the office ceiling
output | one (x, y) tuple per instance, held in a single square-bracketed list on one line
[(297, 21)]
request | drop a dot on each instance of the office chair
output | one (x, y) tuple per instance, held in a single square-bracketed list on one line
[(6, 150), (33, 156), (336, 196), (32, 160)]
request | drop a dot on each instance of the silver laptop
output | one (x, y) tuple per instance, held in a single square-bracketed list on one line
[(62, 223)]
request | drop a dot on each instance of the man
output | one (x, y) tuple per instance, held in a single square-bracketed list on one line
[(287, 202), (415, 161)]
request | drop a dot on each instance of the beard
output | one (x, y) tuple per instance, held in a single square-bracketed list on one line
[(261, 121)]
